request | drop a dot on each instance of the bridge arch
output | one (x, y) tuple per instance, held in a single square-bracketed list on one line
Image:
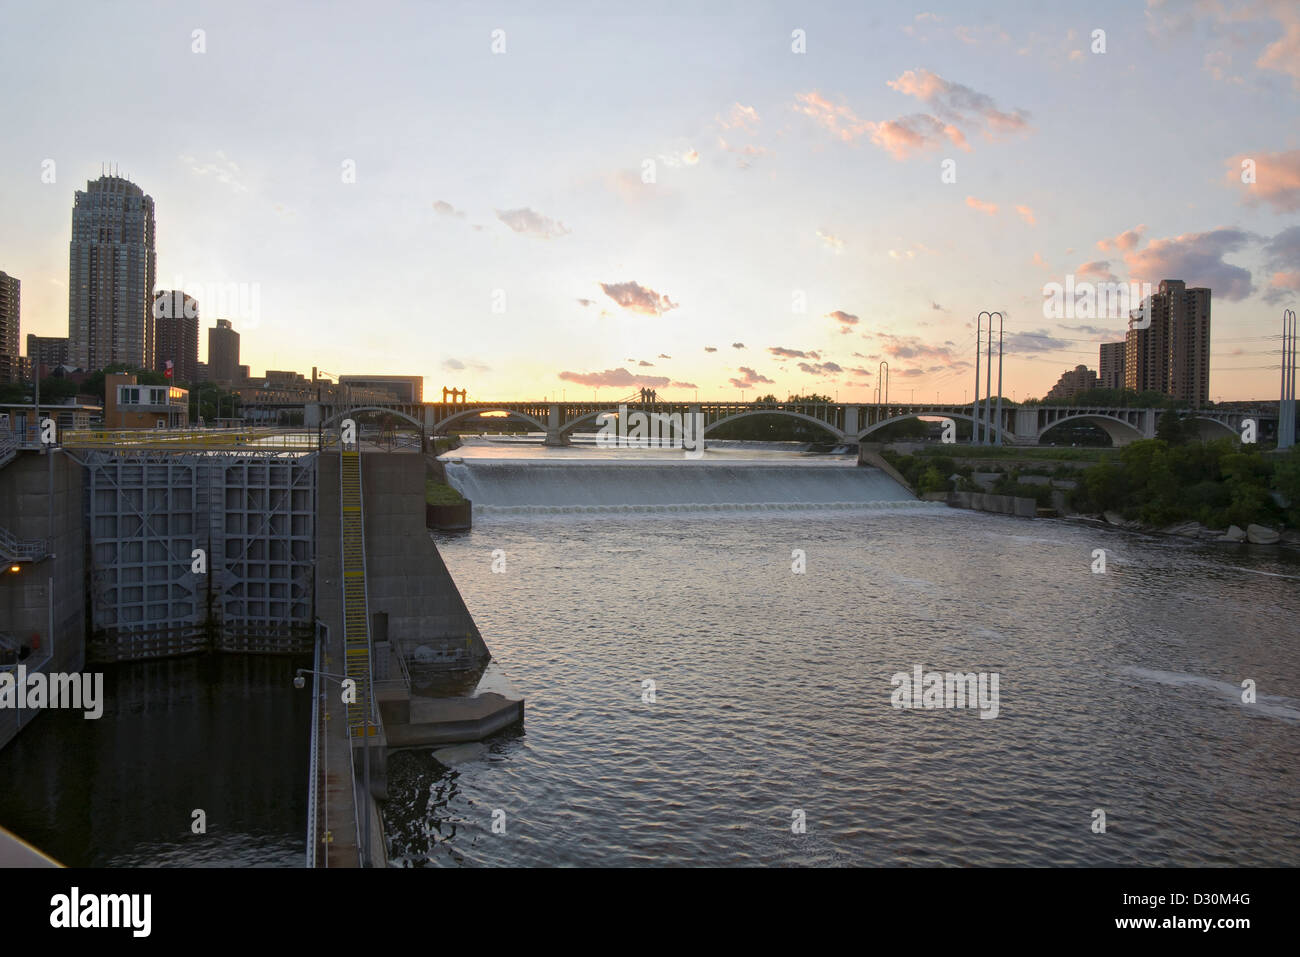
[(1211, 428), (1120, 432), (343, 413), (840, 436), (442, 424), (944, 414)]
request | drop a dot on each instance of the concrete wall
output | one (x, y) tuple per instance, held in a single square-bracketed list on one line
[(25, 506), (405, 576), (1002, 504)]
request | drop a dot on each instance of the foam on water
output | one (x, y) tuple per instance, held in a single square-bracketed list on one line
[(533, 486)]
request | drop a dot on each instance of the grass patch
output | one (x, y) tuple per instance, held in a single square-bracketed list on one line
[(439, 493)]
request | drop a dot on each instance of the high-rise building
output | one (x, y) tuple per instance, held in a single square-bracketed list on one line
[(48, 351), (1072, 382), (223, 353), (176, 322), (10, 307), (1172, 355), (1110, 368), (111, 266)]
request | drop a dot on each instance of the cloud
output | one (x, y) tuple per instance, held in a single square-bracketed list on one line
[(1196, 258), (1124, 241), (531, 223), (982, 206), (1235, 23), (957, 103), (451, 364), (446, 209), (683, 385), (644, 364), (638, 298), (821, 368), (846, 319), (224, 170), (1282, 257), (749, 379), (663, 356), (908, 135), (832, 242), (791, 353), (1098, 269), (913, 347), (615, 377), (710, 349), (741, 117), (1040, 261), (737, 345), (1027, 215), (936, 307), (1094, 331), (1277, 180), (1032, 342), (678, 160), (586, 302)]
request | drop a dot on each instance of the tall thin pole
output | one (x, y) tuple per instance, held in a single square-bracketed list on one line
[(998, 418), (988, 388), (975, 408), (1287, 406)]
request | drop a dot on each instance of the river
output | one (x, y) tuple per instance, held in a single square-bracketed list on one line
[(1120, 692)]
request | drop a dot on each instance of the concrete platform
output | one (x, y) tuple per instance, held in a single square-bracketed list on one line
[(481, 708)]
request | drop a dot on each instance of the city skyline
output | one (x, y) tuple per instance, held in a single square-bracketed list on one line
[(780, 179)]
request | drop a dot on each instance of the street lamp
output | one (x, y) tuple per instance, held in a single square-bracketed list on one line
[(300, 682)]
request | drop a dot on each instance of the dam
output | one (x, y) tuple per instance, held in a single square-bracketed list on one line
[(127, 549)]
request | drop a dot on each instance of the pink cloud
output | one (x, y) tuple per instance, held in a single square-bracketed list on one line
[(1124, 241), (1277, 179), (983, 207)]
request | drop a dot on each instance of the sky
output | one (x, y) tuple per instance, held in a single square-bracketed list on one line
[(719, 200)]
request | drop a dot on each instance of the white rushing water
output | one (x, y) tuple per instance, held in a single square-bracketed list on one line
[(617, 480)]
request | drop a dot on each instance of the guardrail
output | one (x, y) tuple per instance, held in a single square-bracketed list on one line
[(14, 549), (191, 439), (314, 832)]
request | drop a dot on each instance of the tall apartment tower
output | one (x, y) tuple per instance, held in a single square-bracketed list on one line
[(10, 307), (111, 267), (47, 351), (1110, 368), (223, 353), (176, 334), (1173, 354)]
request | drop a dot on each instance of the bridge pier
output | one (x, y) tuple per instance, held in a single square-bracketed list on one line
[(557, 439)]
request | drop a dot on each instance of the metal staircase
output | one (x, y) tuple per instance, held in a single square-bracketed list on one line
[(13, 549), (356, 614)]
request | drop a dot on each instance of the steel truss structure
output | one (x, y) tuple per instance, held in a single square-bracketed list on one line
[(192, 551)]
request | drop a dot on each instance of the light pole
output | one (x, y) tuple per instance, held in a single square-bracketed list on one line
[(300, 682)]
